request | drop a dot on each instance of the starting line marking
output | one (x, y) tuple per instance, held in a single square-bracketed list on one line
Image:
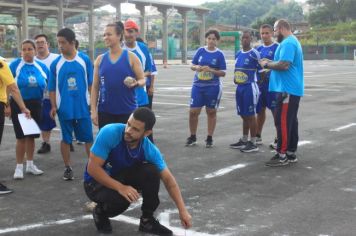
[(121, 218), (342, 127), (223, 171)]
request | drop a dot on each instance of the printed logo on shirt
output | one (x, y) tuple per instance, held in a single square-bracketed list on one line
[(204, 75), (240, 77), (247, 61), (72, 84), (200, 58), (214, 62), (32, 81)]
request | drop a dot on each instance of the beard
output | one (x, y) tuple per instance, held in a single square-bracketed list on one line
[(280, 38)]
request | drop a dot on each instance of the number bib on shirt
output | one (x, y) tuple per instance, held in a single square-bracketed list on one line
[(240, 77), (205, 75)]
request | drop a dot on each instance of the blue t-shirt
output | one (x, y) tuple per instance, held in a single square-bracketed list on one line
[(115, 97), (267, 52), (142, 52), (246, 66), (290, 81), (110, 146), (30, 77), (70, 79), (214, 59), (153, 71)]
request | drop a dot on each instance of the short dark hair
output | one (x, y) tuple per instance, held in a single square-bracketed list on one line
[(30, 41), (282, 23), (67, 33), (214, 32), (146, 116), (119, 29), (76, 44), (41, 35), (247, 32), (266, 26)]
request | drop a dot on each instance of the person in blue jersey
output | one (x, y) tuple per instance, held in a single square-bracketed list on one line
[(47, 123), (31, 76), (142, 52), (8, 85), (266, 99), (71, 77), (113, 100), (287, 79), (125, 164), (247, 92), (150, 80), (209, 65)]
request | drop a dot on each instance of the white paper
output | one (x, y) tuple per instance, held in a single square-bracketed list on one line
[(29, 126)]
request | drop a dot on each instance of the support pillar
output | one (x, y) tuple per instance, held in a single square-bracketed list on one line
[(202, 28), (60, 20), (143, 31), (164, 34), (24, 20), (91, 31), (117, 6), (185, 37)]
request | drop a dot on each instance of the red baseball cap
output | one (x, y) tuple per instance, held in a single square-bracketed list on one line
[(130, 24)]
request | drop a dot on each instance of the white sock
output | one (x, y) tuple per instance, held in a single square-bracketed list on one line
[(244, 138), (19, 166), (253, 140), (29, 163)]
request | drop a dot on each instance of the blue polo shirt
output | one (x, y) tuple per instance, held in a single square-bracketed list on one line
[(111, 147), (290, 81)]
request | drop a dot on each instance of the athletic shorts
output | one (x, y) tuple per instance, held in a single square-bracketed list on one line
[(208, 96), (266, 98), (35, 106), (82, 129), (246, 99), (47, 123)]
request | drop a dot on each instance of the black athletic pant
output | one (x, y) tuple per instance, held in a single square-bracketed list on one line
[(287, 122), (144, 177), (2, 119), (107, 118)]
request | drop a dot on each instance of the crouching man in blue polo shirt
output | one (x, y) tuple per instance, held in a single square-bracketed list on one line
[(123, 164)]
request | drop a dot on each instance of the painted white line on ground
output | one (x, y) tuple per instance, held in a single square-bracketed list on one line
[(121, 218), (304, 142), (342, 127), (322, 89), (223, 171)]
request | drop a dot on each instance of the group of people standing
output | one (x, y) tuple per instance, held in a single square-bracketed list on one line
[(113, 93), (269, 76)]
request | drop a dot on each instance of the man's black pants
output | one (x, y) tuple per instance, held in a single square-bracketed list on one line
[(144, 177)]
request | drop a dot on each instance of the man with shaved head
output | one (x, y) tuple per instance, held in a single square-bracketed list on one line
[(287, 80)]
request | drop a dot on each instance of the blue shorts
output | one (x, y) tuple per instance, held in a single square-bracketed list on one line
[(82, 129), (266, 99), (246, 99), (47, 123), (208, 96)]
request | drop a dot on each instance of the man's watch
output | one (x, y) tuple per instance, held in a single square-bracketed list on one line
[(265, 66)]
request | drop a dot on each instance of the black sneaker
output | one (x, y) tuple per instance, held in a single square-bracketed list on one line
[(208, 143), (68, 174), (152, 226), (249, 147), (277, 160), (191, 141), (71, 147), (102, 222), (45, 148), (240, 144), (4, 189), (292, 158)]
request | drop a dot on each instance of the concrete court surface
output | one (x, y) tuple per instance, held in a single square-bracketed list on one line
[(227, 192)]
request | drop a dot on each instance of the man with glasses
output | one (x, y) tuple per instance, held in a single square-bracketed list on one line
[(123, 164), (47, 123), (287, 80)]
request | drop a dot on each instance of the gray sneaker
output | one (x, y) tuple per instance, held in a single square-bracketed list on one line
[(240, 144), (277, 160), (292, 158), (68, 174), (250, 147)]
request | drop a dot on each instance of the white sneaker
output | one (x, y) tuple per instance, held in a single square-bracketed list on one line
[(33, 170), (18, 173)]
